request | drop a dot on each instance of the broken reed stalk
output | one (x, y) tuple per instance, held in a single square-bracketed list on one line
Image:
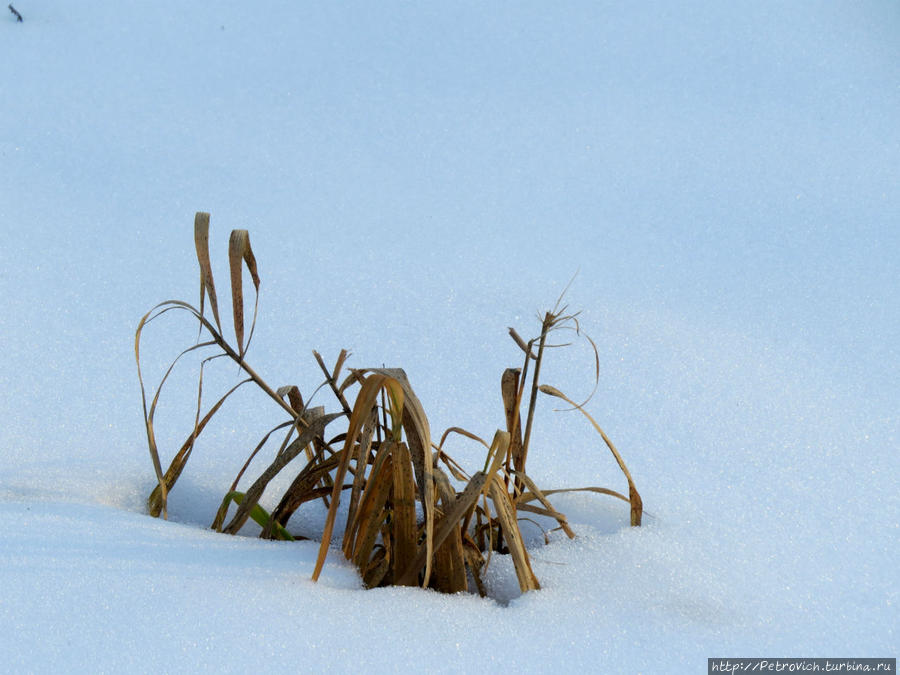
[(406, 522)]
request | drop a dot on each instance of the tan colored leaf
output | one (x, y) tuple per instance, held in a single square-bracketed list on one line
[(360, 454), (293, 395), (507, 517), (239, 251), (560, 518), (418, 436), (637, 506), (371, 511), (207, 286), (528, 497), (509, 389), (365, 502), (445, 524), (316, 428), (404, 518), (366, 399)]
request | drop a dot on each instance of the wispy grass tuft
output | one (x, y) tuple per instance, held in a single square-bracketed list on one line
[(415, 517)]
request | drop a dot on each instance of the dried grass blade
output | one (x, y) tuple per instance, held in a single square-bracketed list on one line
[(156, 502), (316, 428), (507, 518), (151, 411), (497, 452), (461, 432), (366, 399), (531, 508), (560, 518), (509, 389), (449, 575), (294, 397), (239, 250), (148, 420), (331, 378), (521, 343), (452, 465), (207, 286), (365, 503), (418, 436), (303, 488), (404, 517), (528, 497), (339, 364), (372, 513), (360, 453), (637, 506), (454, 515)]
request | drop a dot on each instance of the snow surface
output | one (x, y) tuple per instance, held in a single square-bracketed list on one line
[(416, 177)]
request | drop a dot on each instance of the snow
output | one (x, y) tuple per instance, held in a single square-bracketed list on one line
[(416, 177)]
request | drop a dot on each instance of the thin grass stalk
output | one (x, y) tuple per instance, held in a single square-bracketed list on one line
[(149, 413), (331, 377), (535, 382), (634, 497), (560, 518)]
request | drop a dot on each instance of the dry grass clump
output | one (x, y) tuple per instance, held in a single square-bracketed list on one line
[(382, 461)]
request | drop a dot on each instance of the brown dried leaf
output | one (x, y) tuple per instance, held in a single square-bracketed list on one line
[(404, 518), (366, 399), (553, 513), (239, 250), (452, 516), (316, 428), (506, 515), (371, 510), (637, 506), (207, 286)]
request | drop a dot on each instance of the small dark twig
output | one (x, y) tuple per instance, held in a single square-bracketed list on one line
[(15, 11)]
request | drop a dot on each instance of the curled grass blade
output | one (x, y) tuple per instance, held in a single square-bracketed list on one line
[(207, 286), (239, 250), (560, 518), (418, 436), (150, 411), (634, 497)]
